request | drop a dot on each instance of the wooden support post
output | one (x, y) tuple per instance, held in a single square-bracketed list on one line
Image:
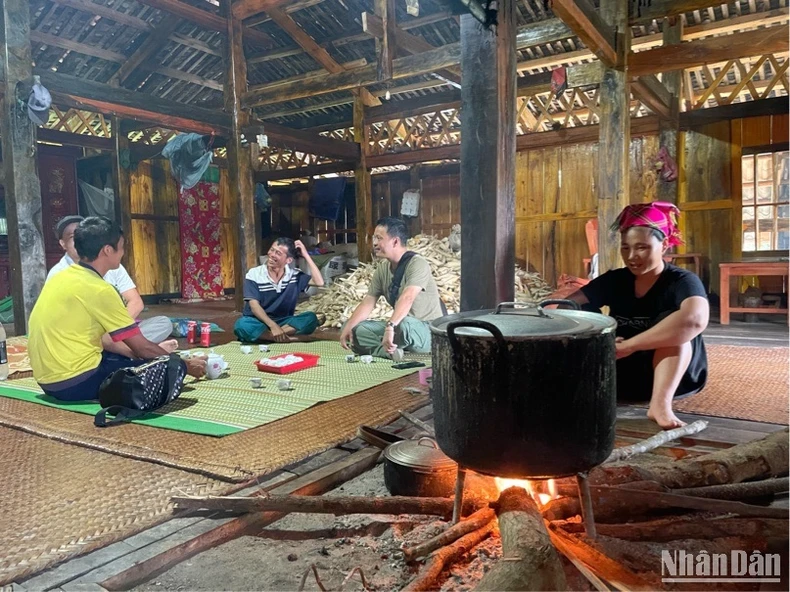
[(364, 199), (614, 138), (668, 128), (488, 102), (240, 172), (22, 186), (386, 46), (123, 190)]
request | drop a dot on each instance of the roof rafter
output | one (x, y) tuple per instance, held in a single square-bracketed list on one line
[(588, 25), (318, 53)]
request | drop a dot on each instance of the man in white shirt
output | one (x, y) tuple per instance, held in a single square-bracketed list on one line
[(155, 329)]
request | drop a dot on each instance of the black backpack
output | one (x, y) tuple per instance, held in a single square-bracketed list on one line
[(129, 393)]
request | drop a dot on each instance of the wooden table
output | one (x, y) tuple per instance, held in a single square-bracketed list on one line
[(748, 268)]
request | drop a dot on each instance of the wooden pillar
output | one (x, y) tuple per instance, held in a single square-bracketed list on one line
[(614, 138), (123, 190), (488, 159), (363, 197), (240, 173), (668, 128), (22, 186)]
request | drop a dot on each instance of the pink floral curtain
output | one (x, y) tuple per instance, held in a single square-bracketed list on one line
[(199, 214)]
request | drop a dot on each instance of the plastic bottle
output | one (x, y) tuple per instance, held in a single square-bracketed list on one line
[(3, 354)]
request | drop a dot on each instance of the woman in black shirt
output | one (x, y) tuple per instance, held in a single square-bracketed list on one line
[(661, 311)]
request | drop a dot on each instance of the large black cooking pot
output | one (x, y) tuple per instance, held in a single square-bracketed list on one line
[(524, 392)]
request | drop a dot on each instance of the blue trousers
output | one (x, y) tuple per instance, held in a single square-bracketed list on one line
[(88, 389), (251, 329)]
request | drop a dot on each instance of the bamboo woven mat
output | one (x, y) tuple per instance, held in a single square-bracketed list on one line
[(743, 383), (229, 404), (237, 457), (60, 501)]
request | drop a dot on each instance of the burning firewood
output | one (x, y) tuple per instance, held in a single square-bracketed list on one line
[(529, 560), (687, 527), (474, 522), (760, 459), (441, 558), (340, 505), (618, 504)]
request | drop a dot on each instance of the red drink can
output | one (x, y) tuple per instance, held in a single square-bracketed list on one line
[(205, 334), (191, 331)]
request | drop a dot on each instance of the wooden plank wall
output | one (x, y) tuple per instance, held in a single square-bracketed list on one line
[(155, 229), (156, 235), (710, 186)]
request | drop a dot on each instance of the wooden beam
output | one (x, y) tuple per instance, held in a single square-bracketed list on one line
[(712, 49), (699, 117), (641, 13), (303, 140), (669, 126), (614, 141), (488, 164), (123, 191), (83, 48), (84, 140), (362, 188), (246, 8), (653, 94), (155, 41), (207, 20), (22, 184), (582, 18), (386, 43), (318, 53), (410, 44), (423, 63), (102, 98), (305, 171), (240, 171), (542, 33)]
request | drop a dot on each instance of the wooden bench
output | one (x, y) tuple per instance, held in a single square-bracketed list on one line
[(776, 268)]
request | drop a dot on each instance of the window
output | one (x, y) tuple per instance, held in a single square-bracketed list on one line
[(765, 192)]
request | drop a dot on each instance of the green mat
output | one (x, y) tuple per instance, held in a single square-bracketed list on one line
[(229, 404)]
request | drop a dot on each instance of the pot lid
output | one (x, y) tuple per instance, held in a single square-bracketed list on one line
[(523, 321), (419, 454)]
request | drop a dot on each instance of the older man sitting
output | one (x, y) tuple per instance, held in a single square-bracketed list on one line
[(271, 292)]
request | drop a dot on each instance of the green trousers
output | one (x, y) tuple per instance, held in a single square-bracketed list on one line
[(410, 335)]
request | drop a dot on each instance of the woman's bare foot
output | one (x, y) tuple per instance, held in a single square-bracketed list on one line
[(169, 346), (665, 418)]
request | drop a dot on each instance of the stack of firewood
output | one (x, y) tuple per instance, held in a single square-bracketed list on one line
[(340, 299)]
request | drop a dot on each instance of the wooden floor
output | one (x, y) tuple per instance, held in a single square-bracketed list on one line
[(125, 563)]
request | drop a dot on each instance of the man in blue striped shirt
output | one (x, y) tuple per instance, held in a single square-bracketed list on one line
[(271, 292)]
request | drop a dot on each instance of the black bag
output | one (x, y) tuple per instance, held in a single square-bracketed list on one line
[(129, 393)]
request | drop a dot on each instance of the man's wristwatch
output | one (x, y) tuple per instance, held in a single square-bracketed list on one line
[(390, 324)]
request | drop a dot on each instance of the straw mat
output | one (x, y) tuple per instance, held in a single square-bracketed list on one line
[(237, 457), (18, 360), (229, 404), (743, 383), (60, 501)]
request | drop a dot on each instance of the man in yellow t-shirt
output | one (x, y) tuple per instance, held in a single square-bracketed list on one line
[(404, 279), (79, 329)]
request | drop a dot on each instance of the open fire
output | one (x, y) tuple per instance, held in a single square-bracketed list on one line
[(542, 491)]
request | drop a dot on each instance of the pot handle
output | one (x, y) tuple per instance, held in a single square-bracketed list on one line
[(427, 439), (515, 305), (502, 361), (572, 303)]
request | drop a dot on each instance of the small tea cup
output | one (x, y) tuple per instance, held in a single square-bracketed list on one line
[(366, 359), (215, 366), (256, 382), (263, 348), (246, 349), (284, 384), (351, 358)]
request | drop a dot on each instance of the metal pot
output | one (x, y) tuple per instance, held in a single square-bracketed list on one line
[(525, 392), (419, 468)]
